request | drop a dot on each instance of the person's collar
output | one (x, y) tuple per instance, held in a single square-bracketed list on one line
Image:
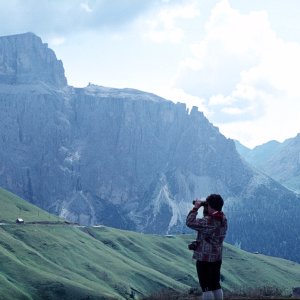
[(217, 214)]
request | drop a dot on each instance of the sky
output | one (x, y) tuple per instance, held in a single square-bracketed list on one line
[(238, 61)]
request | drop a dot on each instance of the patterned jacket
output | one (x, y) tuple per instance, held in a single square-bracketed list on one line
[(211, 234)]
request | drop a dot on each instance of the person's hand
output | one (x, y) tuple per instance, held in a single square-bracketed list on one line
[(197, 203)]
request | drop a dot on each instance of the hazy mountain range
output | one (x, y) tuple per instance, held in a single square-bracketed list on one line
[(126, 158), (280, 161)]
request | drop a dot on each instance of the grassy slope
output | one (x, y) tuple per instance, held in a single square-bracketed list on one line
[(13, 207), (69, 262)]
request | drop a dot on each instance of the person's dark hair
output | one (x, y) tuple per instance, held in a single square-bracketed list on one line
[(215, 201)]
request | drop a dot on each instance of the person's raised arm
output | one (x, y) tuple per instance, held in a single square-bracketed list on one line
[(191, 219)]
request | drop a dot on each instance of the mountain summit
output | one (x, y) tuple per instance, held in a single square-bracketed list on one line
[(25, 59)]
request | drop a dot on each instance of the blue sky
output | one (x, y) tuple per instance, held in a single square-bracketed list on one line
[(237, 60)]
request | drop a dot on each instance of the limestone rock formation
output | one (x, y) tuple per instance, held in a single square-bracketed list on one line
[(24, 59)]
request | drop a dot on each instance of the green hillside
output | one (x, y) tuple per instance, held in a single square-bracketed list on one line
[(13, 207), (61, 261)]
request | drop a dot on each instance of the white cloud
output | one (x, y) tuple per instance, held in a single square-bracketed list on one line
[(56, 41), (228, 48), (245, 72), (163, 25), (85, 6)]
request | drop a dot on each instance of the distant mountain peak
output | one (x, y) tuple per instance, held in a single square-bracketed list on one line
[(25, 59)]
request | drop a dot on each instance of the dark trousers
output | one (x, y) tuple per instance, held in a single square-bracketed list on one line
[(209, 274)]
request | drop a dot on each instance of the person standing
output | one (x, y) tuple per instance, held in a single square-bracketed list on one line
[(211, 231)]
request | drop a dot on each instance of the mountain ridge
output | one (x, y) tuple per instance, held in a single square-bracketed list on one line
[(131, 160), (278, 160)]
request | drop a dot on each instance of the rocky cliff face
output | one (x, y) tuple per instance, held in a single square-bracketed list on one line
[(81, 151), (25, 59), (133, 160)]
